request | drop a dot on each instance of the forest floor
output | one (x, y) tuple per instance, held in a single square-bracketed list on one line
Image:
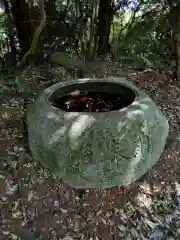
[(35, 205)]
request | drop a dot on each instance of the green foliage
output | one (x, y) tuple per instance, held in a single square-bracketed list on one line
[(141, 32), (72, 29), (146, 36), (4, 45)]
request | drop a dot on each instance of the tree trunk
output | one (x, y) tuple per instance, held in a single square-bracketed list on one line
[(50, 7), (26, 21), (105, 18), (174, 20), (177, 37)]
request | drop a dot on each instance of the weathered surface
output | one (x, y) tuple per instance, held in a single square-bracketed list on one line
[(90, 150)]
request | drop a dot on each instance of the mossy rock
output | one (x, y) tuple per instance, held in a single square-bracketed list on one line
[(97, 150)]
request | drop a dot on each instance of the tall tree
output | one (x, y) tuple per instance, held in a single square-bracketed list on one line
[(26, 21), (174, 19), (105, 18), (26, 18)]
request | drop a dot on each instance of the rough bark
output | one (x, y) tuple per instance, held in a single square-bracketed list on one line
[(105, 18), (177, 37), (26, 20), (50, 7), (174, 19), (36, 36)]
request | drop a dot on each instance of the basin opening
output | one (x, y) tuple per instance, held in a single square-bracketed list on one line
[(92, 97)]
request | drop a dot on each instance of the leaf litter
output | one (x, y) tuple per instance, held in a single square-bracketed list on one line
[(36, 205)]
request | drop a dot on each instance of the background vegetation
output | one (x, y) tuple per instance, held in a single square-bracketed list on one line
[(138, 33)]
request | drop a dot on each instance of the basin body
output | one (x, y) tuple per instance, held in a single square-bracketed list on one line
[(97, 149)]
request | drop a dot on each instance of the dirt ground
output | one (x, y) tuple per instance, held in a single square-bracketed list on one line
[(36, 205)]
